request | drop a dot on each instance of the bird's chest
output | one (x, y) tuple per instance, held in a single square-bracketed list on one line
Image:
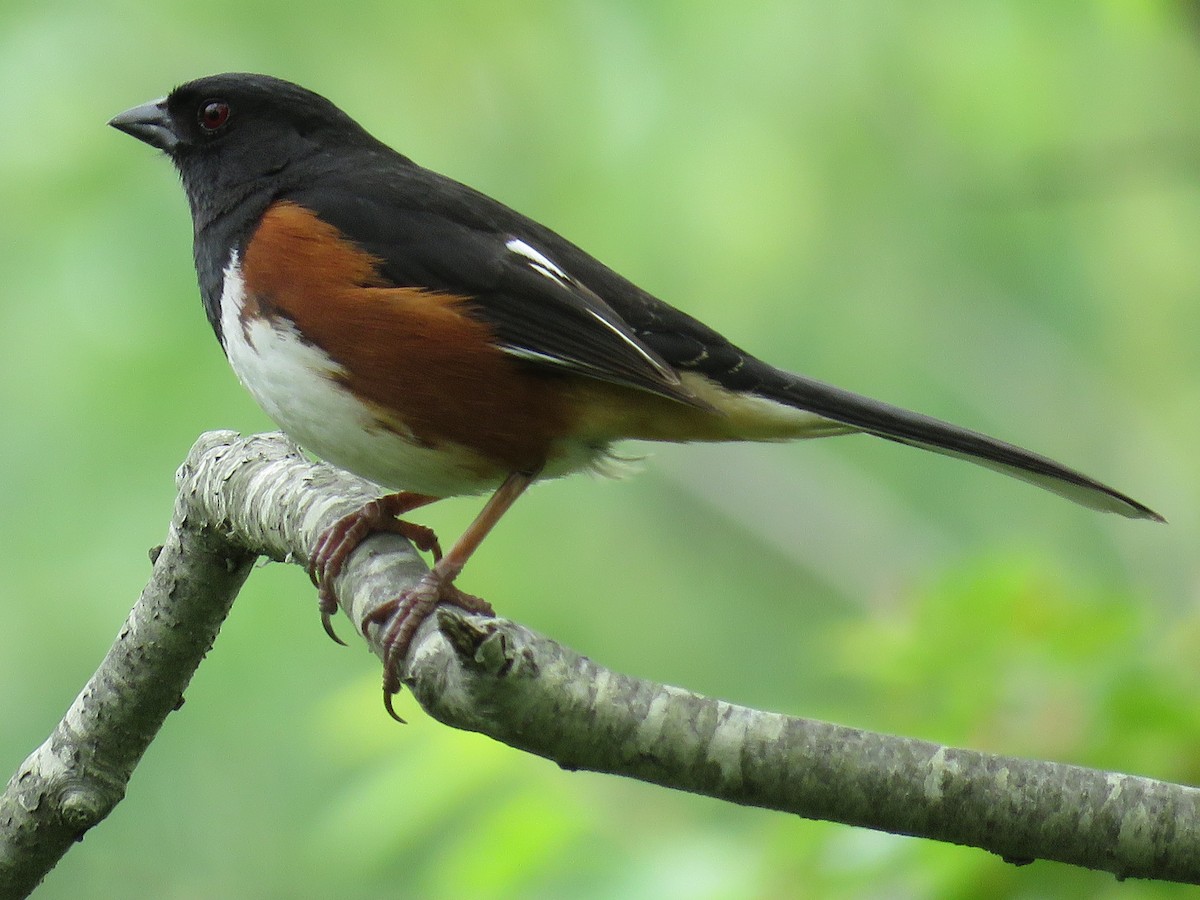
[(308, 395)]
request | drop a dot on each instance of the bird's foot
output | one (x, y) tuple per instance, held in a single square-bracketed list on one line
[(402, 616), (340, 539)]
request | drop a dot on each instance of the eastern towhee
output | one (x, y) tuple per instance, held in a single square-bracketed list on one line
[(426, 337)]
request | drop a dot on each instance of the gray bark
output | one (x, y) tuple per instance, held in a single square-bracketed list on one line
[(240, 498)]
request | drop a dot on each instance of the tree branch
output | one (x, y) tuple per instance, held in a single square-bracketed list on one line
[(244, 497)]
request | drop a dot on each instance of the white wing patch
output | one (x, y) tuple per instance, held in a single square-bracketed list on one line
[(543, 265), (539, 262)]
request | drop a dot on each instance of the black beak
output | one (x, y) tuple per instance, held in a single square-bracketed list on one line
[(149, 122)]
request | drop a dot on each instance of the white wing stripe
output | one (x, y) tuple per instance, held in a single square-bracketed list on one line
[(537, 260), (542, 264)]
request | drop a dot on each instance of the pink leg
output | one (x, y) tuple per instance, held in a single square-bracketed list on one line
[(340, 539), (404, 614)]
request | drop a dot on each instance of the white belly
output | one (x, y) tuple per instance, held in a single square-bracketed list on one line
[(298, 386)]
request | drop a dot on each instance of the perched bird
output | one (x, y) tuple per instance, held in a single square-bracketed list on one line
[(426, 337)]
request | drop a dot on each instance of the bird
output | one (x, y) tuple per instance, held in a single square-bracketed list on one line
[(430, 339)]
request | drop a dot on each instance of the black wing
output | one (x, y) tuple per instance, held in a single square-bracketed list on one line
[(537, 292)]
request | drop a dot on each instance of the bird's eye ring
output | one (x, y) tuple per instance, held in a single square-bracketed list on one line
[(213, 114)]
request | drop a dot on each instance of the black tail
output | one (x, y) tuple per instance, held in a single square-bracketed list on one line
[(905, 427)]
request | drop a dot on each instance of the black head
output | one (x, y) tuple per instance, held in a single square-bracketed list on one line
[(239, 142), (231, 134)]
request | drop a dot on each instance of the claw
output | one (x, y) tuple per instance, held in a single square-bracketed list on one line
[(327, 624), (342, 538), (387, 704), (402, 616)]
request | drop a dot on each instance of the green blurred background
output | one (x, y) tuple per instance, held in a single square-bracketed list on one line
[(987, 211)]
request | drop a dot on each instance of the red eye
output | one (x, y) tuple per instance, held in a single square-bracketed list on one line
[(213, 114)]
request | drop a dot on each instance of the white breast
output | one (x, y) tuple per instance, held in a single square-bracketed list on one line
[(299, 387)]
